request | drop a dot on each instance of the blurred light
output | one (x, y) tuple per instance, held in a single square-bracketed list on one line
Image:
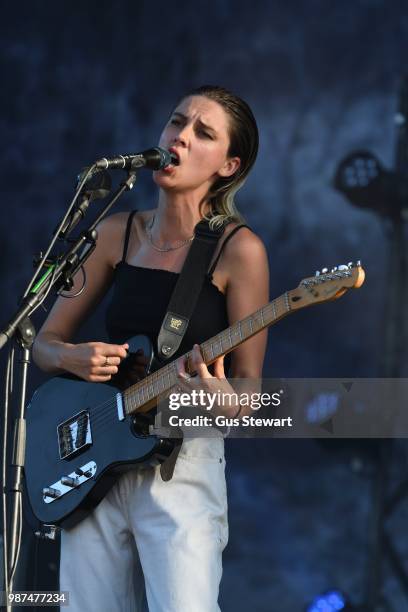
[(329, 602), (367, 184), (322, 407)]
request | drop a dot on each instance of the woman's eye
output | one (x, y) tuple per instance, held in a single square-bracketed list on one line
[(206, 134), (175, 122)]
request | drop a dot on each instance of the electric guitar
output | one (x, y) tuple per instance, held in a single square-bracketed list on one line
[(82, 435)]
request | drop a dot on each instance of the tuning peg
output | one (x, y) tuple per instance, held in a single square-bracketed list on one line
[(317, 273), (350, 264), (358, 264), (334, 269), (343, 267), (325, 270)]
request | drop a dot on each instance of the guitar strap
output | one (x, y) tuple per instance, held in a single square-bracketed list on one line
[(185, 295), (181, 307)]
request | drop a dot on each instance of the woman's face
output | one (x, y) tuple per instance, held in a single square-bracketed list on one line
[(197, 132)]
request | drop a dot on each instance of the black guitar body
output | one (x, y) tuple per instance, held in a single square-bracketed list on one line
[(79, 441)]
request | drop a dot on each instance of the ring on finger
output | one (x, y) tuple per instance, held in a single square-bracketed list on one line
[(106, 362)]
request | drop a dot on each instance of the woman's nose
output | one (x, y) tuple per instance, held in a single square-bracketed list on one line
[(182, 136)]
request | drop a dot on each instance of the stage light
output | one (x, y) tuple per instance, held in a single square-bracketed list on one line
[(332, 601), (367, 184), (322, 407)]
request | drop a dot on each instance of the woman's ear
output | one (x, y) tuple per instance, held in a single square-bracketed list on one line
[(230, 167)]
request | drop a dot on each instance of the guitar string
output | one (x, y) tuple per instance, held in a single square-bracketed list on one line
[(102, 412), (106, 410), (224, 340)]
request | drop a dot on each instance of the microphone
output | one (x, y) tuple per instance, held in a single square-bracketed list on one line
[(154, 159), (97, 187)]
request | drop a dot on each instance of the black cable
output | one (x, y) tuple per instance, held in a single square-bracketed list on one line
[(81, 289)]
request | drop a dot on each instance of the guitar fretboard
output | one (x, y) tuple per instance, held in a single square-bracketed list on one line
[(146, 392)]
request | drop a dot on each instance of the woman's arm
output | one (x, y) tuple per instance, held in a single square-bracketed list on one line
[(247, 290), (245, 267), (52, 350)]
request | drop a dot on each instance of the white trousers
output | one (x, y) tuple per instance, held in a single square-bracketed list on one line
[(154, 540)]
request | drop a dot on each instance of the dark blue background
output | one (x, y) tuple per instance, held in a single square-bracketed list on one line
[(82, 80)]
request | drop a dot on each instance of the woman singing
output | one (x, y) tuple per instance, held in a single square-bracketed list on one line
[(151, 539)]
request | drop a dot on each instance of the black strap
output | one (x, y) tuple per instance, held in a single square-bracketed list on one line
[(230, 235), (187, 289), (127, 234)]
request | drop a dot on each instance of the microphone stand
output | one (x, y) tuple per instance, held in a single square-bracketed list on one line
[(59, 274)]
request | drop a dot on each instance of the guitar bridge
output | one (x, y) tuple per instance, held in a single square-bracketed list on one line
[(74, 434)]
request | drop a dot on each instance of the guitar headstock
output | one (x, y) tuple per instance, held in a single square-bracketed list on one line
[(327, 285)]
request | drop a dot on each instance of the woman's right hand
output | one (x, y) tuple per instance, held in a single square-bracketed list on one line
[(93, 361)]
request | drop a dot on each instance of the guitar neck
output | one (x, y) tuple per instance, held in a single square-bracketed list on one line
[(143, 395), (322, 287)]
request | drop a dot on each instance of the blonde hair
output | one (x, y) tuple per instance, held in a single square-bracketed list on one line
[(244, 142)]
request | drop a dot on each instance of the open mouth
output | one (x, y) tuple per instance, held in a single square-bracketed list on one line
[(175, 158)]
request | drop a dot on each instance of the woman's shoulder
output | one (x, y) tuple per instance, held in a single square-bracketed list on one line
[(242, 243), (240, 253), (112, 232), (117, 222)]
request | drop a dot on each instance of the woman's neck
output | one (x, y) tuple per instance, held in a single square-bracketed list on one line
[(176, 216)]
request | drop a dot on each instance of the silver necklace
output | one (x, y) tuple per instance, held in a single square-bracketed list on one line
[(166, 250)]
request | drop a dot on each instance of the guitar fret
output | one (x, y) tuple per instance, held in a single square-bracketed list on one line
[(226, 341), (165, 378), (220, 337)]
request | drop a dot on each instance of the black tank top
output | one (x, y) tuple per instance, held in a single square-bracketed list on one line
[(141, 297)]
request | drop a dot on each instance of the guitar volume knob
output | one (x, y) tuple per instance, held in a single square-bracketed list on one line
[(68, 481), (80, 472)]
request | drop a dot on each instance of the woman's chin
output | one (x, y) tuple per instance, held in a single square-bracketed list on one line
[(164, 179)]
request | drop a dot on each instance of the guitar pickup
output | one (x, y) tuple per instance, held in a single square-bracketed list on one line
[(74, 434)]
